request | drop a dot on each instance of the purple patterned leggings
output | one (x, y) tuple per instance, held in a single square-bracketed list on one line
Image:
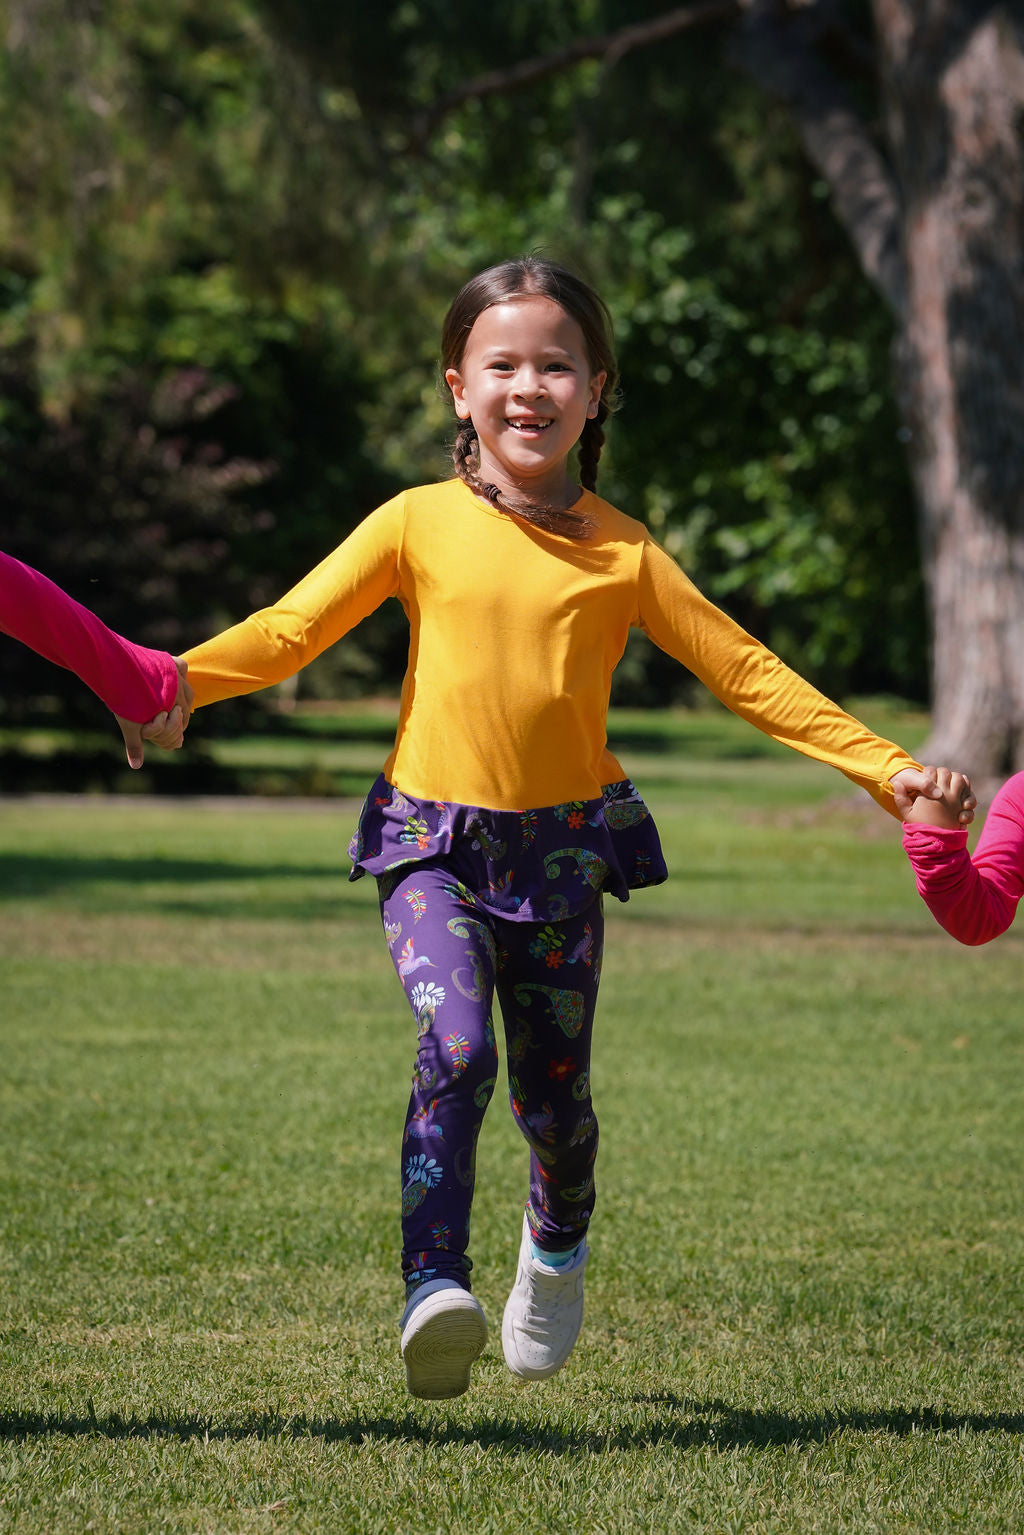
[(451, 956)]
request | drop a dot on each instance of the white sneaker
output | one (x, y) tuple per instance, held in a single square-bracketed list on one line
[(543, 1314), (443, 1331)]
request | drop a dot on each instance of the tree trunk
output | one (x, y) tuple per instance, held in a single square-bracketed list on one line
[(953, 81)]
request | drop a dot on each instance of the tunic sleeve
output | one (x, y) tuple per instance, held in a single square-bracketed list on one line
[(752, 681), (133, 681), (278, 641), (973, 899)]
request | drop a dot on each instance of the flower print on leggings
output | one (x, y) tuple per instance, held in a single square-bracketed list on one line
[(425, 998), (421, 1173)]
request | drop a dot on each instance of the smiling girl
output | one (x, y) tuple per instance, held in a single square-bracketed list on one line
[(501, 818), (527, 382)]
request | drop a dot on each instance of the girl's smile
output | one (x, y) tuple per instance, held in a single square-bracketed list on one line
[(526, 382)]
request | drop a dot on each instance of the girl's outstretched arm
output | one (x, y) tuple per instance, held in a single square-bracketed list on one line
[(759, 687), (136, 683), (278, 641), (974, 899)]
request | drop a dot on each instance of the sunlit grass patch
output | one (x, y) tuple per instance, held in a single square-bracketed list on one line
[(803, 1307)]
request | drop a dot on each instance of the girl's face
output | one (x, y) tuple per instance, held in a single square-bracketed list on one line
[(525, 380)]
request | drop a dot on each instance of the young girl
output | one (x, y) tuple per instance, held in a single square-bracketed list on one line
[(973, 899), (134, 682), (501, 817)]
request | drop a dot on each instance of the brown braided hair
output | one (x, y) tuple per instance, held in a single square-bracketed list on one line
[(529, 276)]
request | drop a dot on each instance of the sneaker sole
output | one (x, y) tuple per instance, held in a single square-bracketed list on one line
[(446, 1334)]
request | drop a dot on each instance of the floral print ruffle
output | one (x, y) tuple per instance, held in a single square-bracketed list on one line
[(524, 865)]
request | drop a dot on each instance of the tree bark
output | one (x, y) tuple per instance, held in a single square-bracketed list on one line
[(953, 84)]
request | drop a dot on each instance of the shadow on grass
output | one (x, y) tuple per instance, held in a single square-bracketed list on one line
[(39, 876), (689, 1425)]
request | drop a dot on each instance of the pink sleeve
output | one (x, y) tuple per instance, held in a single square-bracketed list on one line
[(973, 899), (131, 680)]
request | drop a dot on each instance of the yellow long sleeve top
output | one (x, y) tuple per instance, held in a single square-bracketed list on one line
[(514, 634)]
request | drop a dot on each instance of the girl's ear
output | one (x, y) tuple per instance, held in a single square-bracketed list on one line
[(597, 384), (453, 378)]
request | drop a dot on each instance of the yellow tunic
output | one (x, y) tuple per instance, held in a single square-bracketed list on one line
[(514, 634)]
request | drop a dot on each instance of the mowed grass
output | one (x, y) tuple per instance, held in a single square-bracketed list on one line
[(804, 1306)]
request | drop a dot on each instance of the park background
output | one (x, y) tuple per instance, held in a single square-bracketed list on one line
[(228, 234)]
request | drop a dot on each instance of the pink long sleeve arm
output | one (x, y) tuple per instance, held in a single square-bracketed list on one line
[(974, 899), (133, 681)]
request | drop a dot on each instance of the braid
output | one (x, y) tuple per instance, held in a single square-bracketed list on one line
[(465, 457), (463, 451), (590, 445)]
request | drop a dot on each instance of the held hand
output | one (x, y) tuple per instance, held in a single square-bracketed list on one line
[(184, 698), (946, 811), (933, 784), (166, 730)]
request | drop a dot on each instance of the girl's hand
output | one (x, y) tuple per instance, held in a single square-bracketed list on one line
[(916, 790), (184, 698), (166, 730)]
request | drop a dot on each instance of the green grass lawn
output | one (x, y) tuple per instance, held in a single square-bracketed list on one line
[(804, 1306)]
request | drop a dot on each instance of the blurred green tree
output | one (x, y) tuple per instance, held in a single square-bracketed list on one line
[(284, 196)]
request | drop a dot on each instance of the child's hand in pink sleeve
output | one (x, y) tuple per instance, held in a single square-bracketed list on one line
[(167, 729), (949, 809)]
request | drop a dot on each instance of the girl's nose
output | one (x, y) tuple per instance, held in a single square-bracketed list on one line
[(529, 383)]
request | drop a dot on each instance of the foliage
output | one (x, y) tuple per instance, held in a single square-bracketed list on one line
[(244, 188)]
